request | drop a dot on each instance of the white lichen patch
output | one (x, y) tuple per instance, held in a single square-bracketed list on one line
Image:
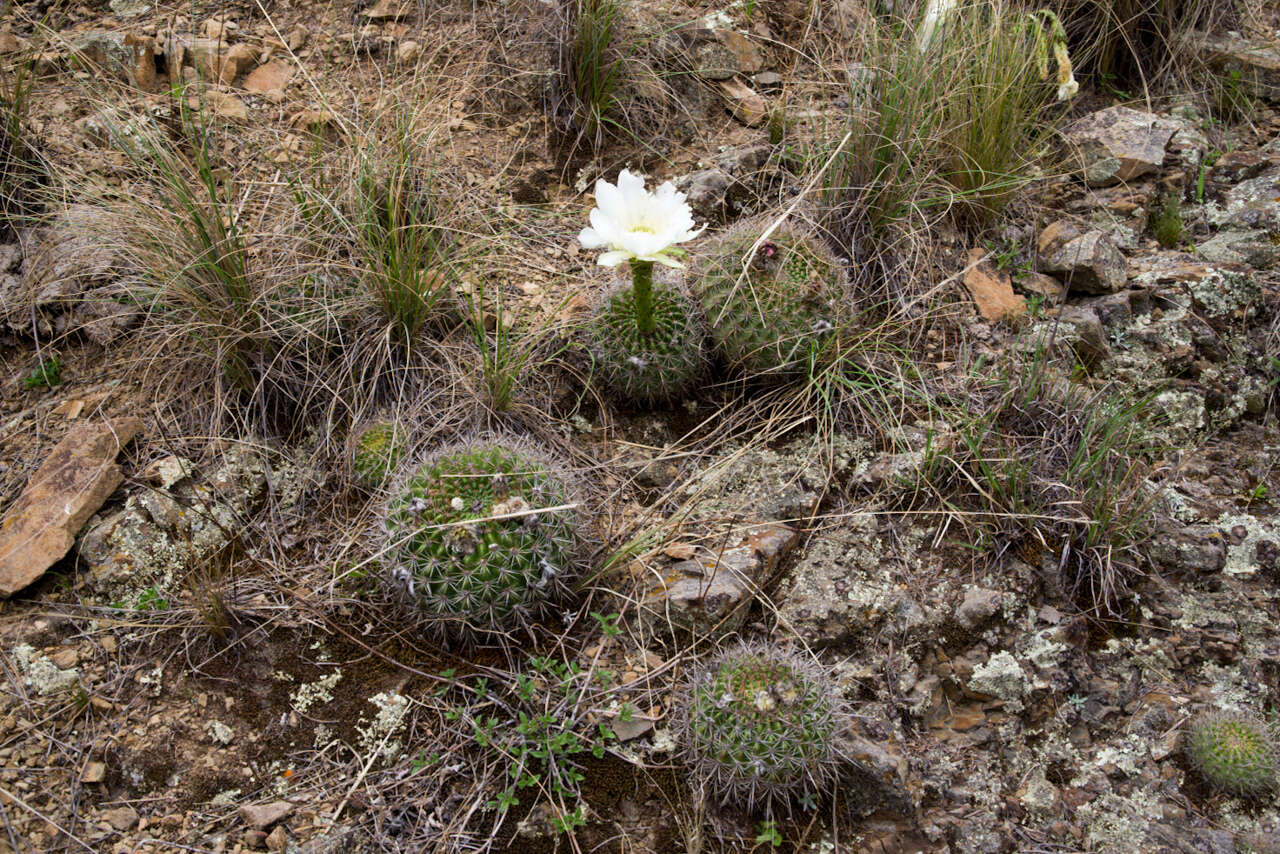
[(1001, 677), (220, 732), (1222, 293), (377, 737), (1242, 557), (1117, 825), (42, 674), (308, 694)]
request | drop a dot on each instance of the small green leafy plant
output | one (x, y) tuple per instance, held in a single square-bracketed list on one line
[(1165, 221), (47, 374)]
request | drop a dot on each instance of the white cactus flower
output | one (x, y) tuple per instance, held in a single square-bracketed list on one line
[(634, 223)]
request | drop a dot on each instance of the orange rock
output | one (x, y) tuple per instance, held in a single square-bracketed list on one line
[(992, 289)]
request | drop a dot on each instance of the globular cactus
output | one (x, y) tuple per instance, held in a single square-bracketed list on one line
[(379, 447), (1233, 752), (654, 368), (761, 726), (481, 539), (766, 321)]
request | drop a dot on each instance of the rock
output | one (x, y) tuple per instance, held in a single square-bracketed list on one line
[(220, 29), (992, 289), (9, 43), (121, 818), (979, 605), (746, 56), (1252, 204), (875, 777), (270, 78), (844, 586), (125, 56), (1088, 262), (1001, 676), (215, 61), (1118, 144), (298, 37), (70, 281), (1075, 327), (1042, 285), (1192, 548), (709, 592), (1258, 63), (129, 8), (254, 839), (744, 103), (94, 772), (278, 840), (72, 483), (724, 190), (262, 816), (408, 52), (1253, 247), (224, 105), (390, 10)]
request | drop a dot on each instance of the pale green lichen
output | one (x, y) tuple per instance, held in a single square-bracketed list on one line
[(42, 674), (1242, 557), (308, 694), (1001, 676), (1117, 825), (377, 737)]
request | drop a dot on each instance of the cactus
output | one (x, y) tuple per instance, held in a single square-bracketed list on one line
[(760, 726), (480, 540), (1233, 752), (378, 449), (790, 299), (656, 367)]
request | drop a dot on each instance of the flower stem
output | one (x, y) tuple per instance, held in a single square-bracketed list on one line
[(642, 288)]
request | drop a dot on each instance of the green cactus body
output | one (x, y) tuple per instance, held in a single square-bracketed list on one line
[(653, 368), (790, 299), (379, 447), (760, 727), (1233, 752), (481, 540)]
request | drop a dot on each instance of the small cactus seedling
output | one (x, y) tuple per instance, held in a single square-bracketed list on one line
[(655, 367), (769, 305), (1233, 752), (378, 449), (760, 726), (481, 539)]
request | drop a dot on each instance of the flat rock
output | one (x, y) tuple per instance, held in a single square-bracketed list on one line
[(723, 190), (72, 483), (1257, 62), (747, 56), (1089, 262), (745, 104), (1118, 144), (270, 78), (262, 816), (121, 818), (979, 605), (710, 591), (992, 289)]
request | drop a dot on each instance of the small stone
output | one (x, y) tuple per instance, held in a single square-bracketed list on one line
[(1089, 262), (298, 38), (746, 55), (408, 52), (389, 10), (269, 78), (256, 839), (65, 658), (744, 103), (262, 816), (94, 772), (1042, 285), (992, 289), (121, 818), (278, 840), (978, 606), (1001, 677)]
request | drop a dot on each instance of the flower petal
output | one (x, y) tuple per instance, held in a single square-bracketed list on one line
[(589, 238), (614, 257)]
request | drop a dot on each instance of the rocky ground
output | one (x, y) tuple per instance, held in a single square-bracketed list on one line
[(193, 659)]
